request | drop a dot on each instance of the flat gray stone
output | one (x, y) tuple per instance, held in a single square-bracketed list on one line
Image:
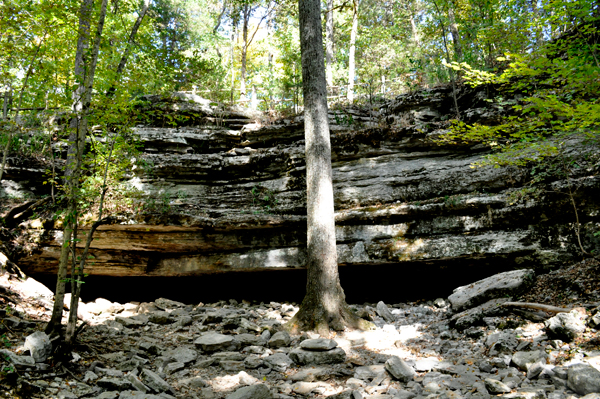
[(495, 386), (154, 381), (504, 342), (138, 395), (250, 340), (278, 361), (18, 361), (368, 372), (232, 365), (164, 303), (108, 395), (280, 339), (160, 317), (530, 393), (183, 355), (114, 383), (174, 367), (399, 369), (216, 342), (305, 357), (318, 344), (197, 382), (258, 391), (508, 283), (133, 321), (311, 374), (474, 316), (524, 359)]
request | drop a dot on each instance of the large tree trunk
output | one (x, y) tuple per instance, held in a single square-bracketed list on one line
[(246, 20), (351, 56), (324, 305), (458, 55), (85, 69), (329, 41)]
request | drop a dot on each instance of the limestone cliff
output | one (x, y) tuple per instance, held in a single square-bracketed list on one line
[(231, 189)]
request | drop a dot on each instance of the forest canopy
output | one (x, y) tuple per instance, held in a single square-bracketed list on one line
[(223, 50)]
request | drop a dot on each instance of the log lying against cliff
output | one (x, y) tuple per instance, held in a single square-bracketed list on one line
[(537, 306)]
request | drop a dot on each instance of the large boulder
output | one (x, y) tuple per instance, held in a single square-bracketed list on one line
[(583, 379), (508, 283)]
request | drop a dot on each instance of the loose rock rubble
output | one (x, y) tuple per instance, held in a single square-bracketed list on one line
[(167, 349)]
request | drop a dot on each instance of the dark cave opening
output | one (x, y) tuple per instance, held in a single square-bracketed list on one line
[(391, 283)]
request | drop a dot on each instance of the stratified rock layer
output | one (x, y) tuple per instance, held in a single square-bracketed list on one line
[(225, 193)]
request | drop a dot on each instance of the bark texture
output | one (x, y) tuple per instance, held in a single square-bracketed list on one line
[(85, 68), (329, 41), (352, 54), (458, 55), (324, 305)]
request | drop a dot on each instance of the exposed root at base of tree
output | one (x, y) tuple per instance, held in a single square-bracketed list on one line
[(318, 319)]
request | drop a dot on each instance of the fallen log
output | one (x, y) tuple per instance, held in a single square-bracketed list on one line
[(537, 306)]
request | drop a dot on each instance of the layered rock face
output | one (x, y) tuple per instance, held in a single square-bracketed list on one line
[(228, 194)]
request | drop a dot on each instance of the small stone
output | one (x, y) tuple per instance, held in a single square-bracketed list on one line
[(174, 367), (368, 372), (305, 357), (160, 318), (384, 312), (535, 369), (567, 326), (258, 391), (278, 362), (523, 359), (114, 383), (232, 365), (250, 340), (182, 354), (154, 381), (213, 342), (165, 304), (18, 361), (39, 346), (132, 322), (197, 382), (399, 369), (280, 339), (318, 344), (253, 362), (495, 386)]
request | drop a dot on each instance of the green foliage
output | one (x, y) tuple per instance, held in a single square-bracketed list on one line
[(264, 198), (552, 95)]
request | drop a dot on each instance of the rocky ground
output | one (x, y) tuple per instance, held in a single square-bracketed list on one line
[(471, 345)]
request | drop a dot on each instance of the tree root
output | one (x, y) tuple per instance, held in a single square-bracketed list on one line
[(537, 306), (322, 322)]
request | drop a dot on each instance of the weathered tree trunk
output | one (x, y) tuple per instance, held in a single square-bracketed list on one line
[(125, 56), (324, 305), (415, 32), (329, 43), (351, 55), (246, 20), (84, 73), (458, 55)]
